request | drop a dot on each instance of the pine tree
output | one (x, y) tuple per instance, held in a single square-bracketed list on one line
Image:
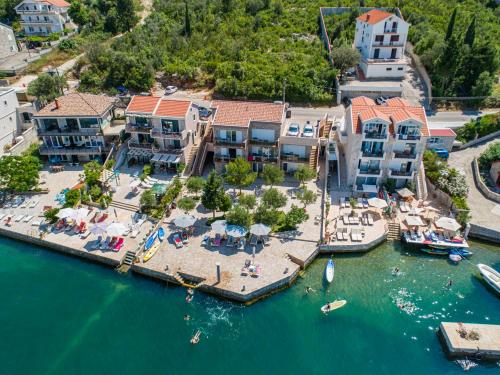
[(187, 22), (213, 193), (451, 25), (470, 34)]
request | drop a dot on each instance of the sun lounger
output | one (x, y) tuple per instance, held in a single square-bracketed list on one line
[(230, 241), (185, 238), (27, 218), (95, 217), (177, 241), (253, 240), (102, 218), (119, 244), (217, 240), (364, 220), (19, 218), (241, 244), (370, 219), (345, 219), (35, 223), (347, 202), (134, 233), (97, 243), (112, 243), (84, 234), (365, 203), (24, 204), (355, 220), (34, 203), (339, 235)]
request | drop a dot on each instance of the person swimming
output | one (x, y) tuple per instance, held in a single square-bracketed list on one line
[(196, 338), (309, 289), (189, 298), (187, 317)]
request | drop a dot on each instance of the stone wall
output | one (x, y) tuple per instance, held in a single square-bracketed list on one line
[(352, 248), (481, 185), (479, 140)]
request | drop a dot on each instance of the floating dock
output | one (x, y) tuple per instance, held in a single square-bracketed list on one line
[(466, 339)]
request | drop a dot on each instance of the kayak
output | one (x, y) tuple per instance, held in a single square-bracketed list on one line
[(333, 306), (151, 252), (462, 252), (330, 270), (434, 251), (151, 240), (161, 234), (491, 276)]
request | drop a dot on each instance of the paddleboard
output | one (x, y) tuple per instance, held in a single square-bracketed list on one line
[(333, 306), (330, 270), (151, 252), (151, 240)]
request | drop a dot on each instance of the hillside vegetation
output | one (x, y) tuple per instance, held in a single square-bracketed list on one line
[(247, 48)]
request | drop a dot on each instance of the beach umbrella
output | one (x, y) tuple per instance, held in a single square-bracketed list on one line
[(184, 221), (236, 231), (219, 226), (99, 228), (447, 223), (65, 213), (405, 193), (414, 221), (377, 202), (135, 184), (80, 214), (260, 229), (116, 229)]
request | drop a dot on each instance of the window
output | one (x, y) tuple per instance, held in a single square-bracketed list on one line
[(379, 38), (87, 123), (400, 68), (434, 141), (394, 38), (169, 126), (26, 116), (388, 69)]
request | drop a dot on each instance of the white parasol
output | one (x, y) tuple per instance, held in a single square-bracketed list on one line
[(65, 213), (447, 223), (116, 229), (414, 221), (236, 231), (99, 228), (377, 202), (184, 221), (219, 226), (405, 193), (260, 229)]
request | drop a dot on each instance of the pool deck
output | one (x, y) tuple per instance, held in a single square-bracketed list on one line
[(488, 344)]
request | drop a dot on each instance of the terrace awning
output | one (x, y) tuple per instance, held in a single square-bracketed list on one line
[(166, 158), (370, 188)]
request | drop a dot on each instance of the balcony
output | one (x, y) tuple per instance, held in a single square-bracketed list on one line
[(372, 154), (155, 133), (263, 158), (134, 128), (369, 172), (375, 135), (294, 158), (404, 155), (223, 158), (71, 150), (68, 132), (391, 30), (401, 174), (140, 146), (167, 150), (264, 142), (388, 44), (229, 143), (37, 11), (37, 22), (409, 137)]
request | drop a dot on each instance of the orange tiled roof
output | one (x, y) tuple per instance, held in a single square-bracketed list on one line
[(77, 104), (240, 113), (174, 108), (394, 114), (442, 133), (374, 16), (362, 100), (143, 104), (57, 3), (397, 102)]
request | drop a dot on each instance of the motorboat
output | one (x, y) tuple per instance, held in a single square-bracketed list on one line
[(330, 270), (333, 306), (491, 276), (434, 240)]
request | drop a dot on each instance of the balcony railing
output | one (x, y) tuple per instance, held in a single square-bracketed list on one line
[(388, 44), (73, 150), (223, 158), (43, 22), (167, 135), (229, 143), (293, 157), (264, 142), (372, 154), (405, 155), (134, 128), (142, 146), (375, 135), (263, 158), (399, 173), (167, 150), (37, 11), (68, 131), (369, 171), (409, 137), (391, 30)]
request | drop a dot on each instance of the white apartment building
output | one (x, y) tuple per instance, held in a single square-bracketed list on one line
[(383, 142), (43, 17), (72, 127), (163, 131), (8, 45), (381, 38), (8, 117)]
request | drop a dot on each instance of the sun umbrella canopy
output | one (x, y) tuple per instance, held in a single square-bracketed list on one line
[(219, 226), (65, 213), (260, 229), (116, 229), (447, 223), (184, 221), (377, 202), (414, 221), (405, 193), (80, 214), (99, 228), (235, 231)]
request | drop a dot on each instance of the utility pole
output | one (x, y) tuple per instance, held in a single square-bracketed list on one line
[(284, 90)]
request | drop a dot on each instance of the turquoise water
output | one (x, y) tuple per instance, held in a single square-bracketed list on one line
[(60, 315)]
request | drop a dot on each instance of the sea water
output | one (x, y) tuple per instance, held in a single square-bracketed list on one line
[(62, 315)]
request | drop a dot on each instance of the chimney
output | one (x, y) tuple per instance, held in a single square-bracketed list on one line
[(367, 17), (57, 104)]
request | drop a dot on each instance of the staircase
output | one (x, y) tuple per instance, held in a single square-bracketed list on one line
[(421, 187), (179, 278), (129, 258), (191, 158), (124, 206), (199, 161), (394, 233), (313, 158)]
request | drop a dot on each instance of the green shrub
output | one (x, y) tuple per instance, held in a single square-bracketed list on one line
[(487, 124), (95, 192), (68, 45), (491, 154), (51, 215), (72, 198)]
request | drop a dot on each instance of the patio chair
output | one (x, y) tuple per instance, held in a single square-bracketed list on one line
[(217, 240), (253, 240), (177, 240)]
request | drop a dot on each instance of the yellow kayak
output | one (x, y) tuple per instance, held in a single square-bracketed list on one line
[(151, 252)]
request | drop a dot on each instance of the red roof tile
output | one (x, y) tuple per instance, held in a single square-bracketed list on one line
[(442, 133), (374, 16), (143, 104), (240, 113), (397, 102), (57, 3), (174, 108), (370, 113), (362, 100), (77, 104)]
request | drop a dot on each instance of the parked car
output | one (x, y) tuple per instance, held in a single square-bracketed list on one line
[(170, 90), (204, 112), (381, 100), (293, 130), (442, 153), (308, 131)]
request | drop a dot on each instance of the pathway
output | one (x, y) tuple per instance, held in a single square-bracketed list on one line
[(484, 212)]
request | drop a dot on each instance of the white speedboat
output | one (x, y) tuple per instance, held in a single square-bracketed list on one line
[(330, 271), (491, 276)]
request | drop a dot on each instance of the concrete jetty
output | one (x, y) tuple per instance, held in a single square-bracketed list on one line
[(468, 339)]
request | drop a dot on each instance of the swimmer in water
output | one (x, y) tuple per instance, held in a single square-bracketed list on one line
[(187, 317), (395, 271), (309, 289), (450, 282)]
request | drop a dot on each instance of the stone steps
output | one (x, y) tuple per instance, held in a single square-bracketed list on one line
[(124, 206), (394, 231), (129, 258)]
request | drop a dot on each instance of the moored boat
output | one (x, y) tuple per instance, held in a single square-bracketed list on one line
[(330, 270), (151, 240), (491, 276), (430, 250), (333, 306), (151, 252), (462, 252), (161, 233)]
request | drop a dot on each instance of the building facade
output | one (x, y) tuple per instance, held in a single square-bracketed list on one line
[(72, 127), (441, 138), (381, 38), (8, 117), (8, 45), (383, 142), (162, 131), (43, 17)]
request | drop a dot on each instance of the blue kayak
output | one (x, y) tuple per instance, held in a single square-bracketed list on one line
[(161, 234), (462, 252), (151, 240)]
